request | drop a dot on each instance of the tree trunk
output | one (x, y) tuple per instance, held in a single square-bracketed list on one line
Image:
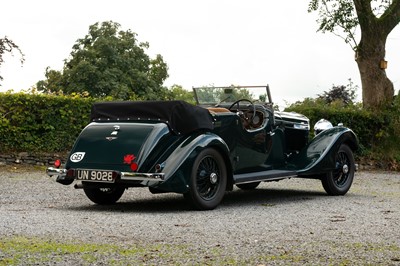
[(377, 89)]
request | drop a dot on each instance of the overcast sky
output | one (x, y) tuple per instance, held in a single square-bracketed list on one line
[(220, 42)]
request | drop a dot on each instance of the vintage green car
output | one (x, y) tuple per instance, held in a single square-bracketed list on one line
[(232, 137)]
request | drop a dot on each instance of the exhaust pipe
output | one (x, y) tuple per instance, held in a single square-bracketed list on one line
[(78, 186)]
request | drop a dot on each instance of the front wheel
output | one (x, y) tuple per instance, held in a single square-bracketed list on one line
[(338, 181), (104, 196), (208, 180)]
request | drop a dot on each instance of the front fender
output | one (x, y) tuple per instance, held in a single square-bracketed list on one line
[(178, 166), (319, 155)]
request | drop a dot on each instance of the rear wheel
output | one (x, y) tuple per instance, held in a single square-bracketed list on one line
[(248, 186), (338, 181), (208, 180), (104, 196)]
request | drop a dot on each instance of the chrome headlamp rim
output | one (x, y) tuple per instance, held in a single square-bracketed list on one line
[(322, 125)]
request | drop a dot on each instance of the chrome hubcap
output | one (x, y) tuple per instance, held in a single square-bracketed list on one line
[(345, 169), (213, 178)]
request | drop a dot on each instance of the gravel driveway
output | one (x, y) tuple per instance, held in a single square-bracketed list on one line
[(288, 222)]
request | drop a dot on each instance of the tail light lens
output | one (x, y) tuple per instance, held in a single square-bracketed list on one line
[(57, 163), (71, 173)]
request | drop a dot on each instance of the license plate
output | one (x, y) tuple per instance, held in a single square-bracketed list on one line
[(95, 176)]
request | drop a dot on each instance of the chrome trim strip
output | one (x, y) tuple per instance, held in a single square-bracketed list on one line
[(142, 176), (56, 171)]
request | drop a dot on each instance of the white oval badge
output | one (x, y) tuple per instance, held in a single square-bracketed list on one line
[(77, 157)]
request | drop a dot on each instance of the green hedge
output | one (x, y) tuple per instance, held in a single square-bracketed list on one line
[(46, 123), (38, 123), (378, 131), (366, 125)]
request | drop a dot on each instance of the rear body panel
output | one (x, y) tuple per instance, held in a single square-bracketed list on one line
[(105, 147)]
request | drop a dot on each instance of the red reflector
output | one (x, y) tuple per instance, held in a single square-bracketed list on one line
[(71, 173), (115, 175), (57, 163), (134, 166)]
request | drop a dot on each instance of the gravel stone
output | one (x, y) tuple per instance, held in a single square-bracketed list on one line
[(288, 222)]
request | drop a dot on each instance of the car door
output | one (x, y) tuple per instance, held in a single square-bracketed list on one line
[(253, 146)]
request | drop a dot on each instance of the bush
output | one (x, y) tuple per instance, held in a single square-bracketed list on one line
[(32, 122), (378, 131), (48, 123), (36, 122)]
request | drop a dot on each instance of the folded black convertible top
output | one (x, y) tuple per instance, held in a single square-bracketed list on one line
[(181, 116)]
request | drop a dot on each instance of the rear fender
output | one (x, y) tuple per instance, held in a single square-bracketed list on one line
[(319, 155), (178, 166), (105, 145)]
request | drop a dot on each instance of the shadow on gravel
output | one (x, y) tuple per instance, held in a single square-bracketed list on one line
[(170, 203), (269, 196)]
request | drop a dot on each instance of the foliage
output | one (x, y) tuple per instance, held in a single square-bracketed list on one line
[(375, 19), (7, 46), (35, 122), (340, 16), (109, 62), (365, 124), (389, 147), (378, 131), (337, 17), (177, 92), (212, 95), (344, 94)]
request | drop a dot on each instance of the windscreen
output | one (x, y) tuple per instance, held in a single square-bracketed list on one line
[(216, 95)]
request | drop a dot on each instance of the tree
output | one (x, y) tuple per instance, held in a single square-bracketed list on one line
[(345, 94), (177, 92), (7, 46), (376, 19), (109, 62)]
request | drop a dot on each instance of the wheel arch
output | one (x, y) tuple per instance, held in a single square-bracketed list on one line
[(351, 141), (224, 151), (178, 165), (319, 155)]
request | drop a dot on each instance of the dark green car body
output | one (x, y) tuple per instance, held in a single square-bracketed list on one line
[(157, 145)]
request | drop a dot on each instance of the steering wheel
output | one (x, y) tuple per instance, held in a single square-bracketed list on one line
[(238, 106)]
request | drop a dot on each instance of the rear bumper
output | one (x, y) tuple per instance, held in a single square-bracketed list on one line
[(127, 176), (123, 177), (51, 171)]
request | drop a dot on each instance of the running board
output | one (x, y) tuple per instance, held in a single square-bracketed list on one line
[(263, 176)]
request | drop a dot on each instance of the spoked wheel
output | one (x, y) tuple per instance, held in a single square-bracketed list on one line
[(208, 180), (338, 181), (104, 196)]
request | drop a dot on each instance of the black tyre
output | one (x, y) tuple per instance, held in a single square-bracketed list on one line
[(208, 180), (338, 181), (104, 196), (248, 186)]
